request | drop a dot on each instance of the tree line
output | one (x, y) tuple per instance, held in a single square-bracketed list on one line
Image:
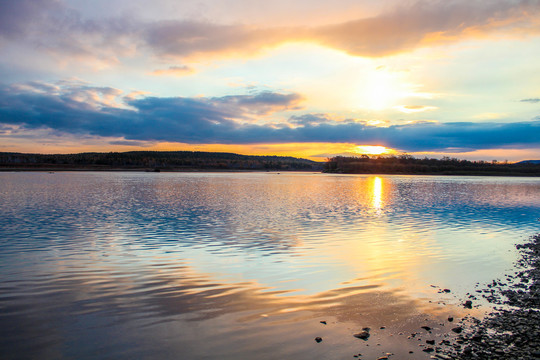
[(407, 164), (155, 160)]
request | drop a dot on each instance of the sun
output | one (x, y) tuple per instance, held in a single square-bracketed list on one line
[(379, 89), (372, 150)]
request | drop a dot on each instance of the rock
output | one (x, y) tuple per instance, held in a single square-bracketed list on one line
[(477, 337), (450, 319), (457, 329), (428, 350), (318, 339), (446, 290), (430, 342), (442, 357), (323, 322), (468, 304), (427, 328), (364, 335)]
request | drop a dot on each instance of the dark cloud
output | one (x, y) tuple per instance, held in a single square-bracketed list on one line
[(531, 100), (226, 120), (309, 119), (262, 103)]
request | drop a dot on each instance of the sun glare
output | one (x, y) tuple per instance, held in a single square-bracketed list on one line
[(372, 150), (381, 90)]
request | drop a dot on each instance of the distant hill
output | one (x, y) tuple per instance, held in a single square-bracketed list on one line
[(154, 160), (529, 162)]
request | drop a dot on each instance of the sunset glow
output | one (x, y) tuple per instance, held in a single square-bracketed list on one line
[(373, 150), (421, 77)]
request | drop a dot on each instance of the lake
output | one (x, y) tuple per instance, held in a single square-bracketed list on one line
[(126, 265)]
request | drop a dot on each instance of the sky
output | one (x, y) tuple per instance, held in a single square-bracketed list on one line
[(304, 78)]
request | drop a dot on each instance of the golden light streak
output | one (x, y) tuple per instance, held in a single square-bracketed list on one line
[(377, 191)]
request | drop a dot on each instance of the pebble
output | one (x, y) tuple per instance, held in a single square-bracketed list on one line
[(364, 335)]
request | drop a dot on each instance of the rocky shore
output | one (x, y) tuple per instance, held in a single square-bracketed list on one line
[(512, 330)]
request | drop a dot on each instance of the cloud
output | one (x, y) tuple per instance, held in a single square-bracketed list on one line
[(229, 120), (411, 26), (404, 28), (185, 38), (262, 103), (52, 27), (531, 100), (174, 71), (309, 119), (131, 143), (408, 109), (16, 16)]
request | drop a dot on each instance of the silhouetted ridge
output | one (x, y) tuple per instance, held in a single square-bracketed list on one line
[(164, 160)]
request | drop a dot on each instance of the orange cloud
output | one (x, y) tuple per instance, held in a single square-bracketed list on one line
[(403, 29), (409, 109)]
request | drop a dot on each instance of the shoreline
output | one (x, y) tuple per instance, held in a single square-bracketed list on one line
[(512, 329), (175, 170), (196, 170), (509, 328)]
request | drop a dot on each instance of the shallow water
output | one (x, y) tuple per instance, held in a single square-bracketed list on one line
[(245, 265)]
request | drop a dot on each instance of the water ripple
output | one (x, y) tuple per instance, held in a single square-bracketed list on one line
[(115, 263)]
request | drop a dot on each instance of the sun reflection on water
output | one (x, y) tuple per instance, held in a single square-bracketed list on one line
[(377, 191)]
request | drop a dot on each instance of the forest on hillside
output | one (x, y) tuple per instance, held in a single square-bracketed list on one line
[(154, 160), (407, 164)]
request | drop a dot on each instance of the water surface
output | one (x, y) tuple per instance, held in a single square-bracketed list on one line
[(245, 265)]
